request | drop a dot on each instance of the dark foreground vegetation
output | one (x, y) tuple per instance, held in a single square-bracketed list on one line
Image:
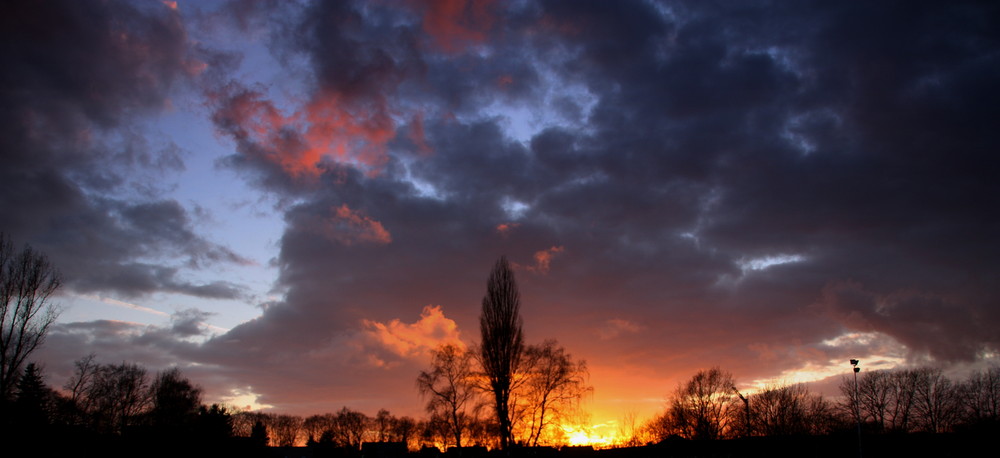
[(882, 402), (119, 410)]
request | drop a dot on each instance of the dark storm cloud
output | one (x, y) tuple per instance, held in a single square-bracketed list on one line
[(733, 185), (79, 177), (854, 137)]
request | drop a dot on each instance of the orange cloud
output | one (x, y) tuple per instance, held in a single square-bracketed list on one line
[(505, 228), (348, 134), (455, 24), (351, 226), (409, 340), (543, 259), (325, 128)]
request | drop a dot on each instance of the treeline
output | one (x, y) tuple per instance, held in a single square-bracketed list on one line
[(709, 407), (114, 408), (546, 391), (346, 429)]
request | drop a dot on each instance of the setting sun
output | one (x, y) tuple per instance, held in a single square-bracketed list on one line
[(580, 435)]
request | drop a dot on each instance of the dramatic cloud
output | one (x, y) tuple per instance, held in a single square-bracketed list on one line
[(770, 188), (80, 179), (417, 339)]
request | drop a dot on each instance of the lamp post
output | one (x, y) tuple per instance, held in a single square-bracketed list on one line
[(746, 406), (857, 402)]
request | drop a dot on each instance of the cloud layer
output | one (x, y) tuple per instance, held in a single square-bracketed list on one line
[(681, 184)]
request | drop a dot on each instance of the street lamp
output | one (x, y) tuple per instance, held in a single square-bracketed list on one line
[(857, 401), (746, 405)]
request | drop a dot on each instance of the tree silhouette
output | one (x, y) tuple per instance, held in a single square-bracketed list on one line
[(502, 342), (350, 427), (553, 387), (34, 400), (27, 280), (214, 423), (980, 396), (111, 397), (175, 400), (382, 425), (450, 387), (784, 411), (403, 430), (700, 408), (258, 434), (936, 402), (286, 430)]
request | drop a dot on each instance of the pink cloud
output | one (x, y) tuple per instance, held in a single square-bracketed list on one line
[(417, 135), (395, 339), (349, 227), (543, 260), (504, 229), (324, 128)]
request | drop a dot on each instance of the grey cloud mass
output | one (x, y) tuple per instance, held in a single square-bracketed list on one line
[(737, 184), (79, 180)]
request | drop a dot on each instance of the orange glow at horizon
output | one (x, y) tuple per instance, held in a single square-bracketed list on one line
[(579, 435)]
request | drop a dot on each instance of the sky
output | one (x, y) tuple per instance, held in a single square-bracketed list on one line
[(294, 202)]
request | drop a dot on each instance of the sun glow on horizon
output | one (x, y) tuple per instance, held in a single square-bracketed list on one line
[(580, 435), (246, 400)]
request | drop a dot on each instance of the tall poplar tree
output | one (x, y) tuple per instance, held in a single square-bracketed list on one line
[(502, 343)]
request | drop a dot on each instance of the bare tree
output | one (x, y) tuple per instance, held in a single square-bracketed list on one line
[(451, 390), (404, 429), (656, 429), (116, 396), (350, 429), (243, 422), (553, 388), (315, 425), (27, 280), (900, 400), (285, 430), (382, 425), (700, 408), (936, 400), (872, 400), (80, 382), (629, 431), (502, 342), (980, 396), (785, 410)]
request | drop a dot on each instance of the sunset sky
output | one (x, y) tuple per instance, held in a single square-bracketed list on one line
[(294, 202)]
